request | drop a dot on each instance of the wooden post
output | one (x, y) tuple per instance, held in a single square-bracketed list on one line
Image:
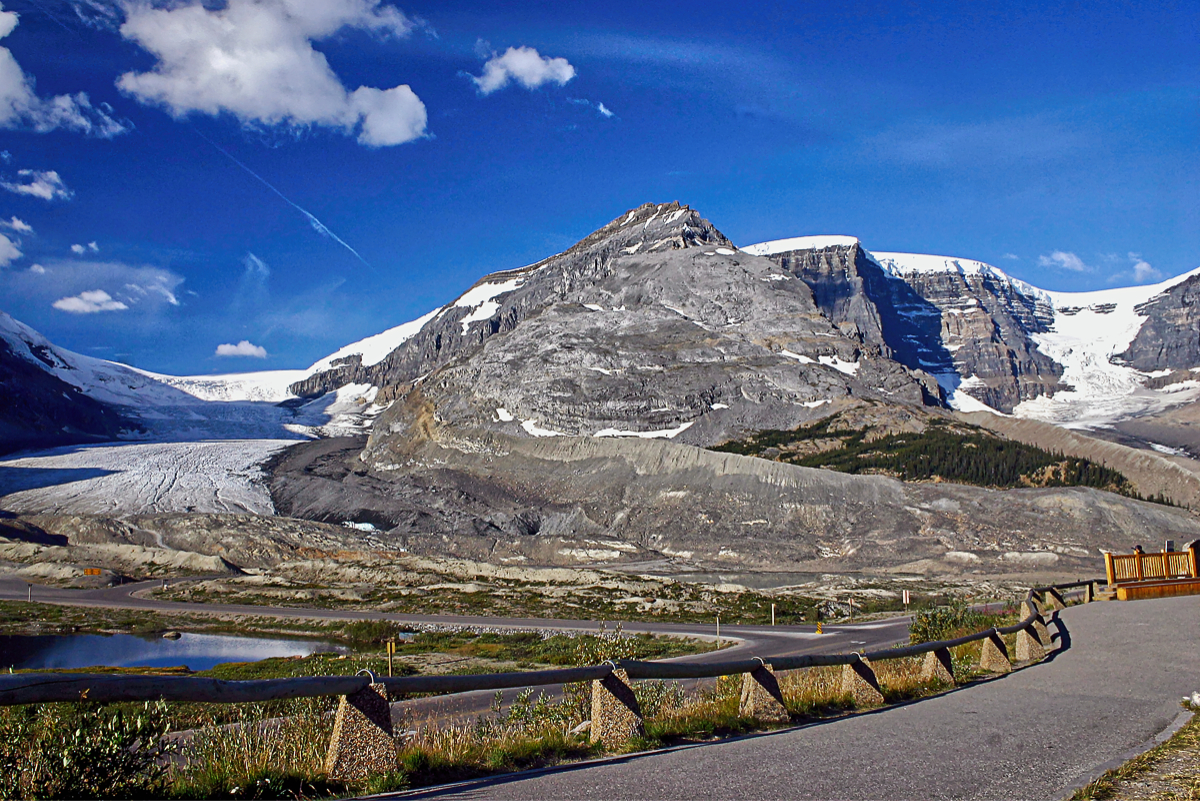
[(1137, 564), (1108, 568), (1192, 561)]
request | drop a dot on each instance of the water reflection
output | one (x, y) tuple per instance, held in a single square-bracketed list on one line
[(196, 651)]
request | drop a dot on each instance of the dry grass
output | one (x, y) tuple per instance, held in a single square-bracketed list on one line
[(1168, 772)]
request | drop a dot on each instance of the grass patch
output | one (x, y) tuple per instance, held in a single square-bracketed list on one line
[(1170, 770)]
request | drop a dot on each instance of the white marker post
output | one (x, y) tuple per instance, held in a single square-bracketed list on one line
[(906, 602), (772, 614), (718, 632)]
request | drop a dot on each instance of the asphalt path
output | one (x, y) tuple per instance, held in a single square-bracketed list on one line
[(1113, 683)]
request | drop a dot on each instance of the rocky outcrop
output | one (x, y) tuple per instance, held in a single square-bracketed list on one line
[(1169, 339), (971, 327)]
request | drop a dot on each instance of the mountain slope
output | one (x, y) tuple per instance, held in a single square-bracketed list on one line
[(1081, 359)]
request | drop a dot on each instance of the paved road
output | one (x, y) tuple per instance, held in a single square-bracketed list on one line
[(750, 640), (753, 640), (1113, 685)]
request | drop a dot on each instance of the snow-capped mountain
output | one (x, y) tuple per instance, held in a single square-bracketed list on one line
[(1077, 359)]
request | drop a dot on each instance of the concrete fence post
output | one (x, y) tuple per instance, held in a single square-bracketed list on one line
[(938, 666), (761, 697), (1043, 634), (616, 716), (1089, 592), (860, 683), (1054, 600), (993, 657), (362, 743), (1029, 647)]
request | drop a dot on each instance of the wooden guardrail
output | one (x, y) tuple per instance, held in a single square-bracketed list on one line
[(1139, 566), (615, 715)]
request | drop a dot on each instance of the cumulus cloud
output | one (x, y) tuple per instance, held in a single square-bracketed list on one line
[(89, 302), (44, 184), (525, 66), (243, 348), (9, 251), (20, 226), (141, 290), (1061, 260), (1142, 271), (254, 59), (20, 106)]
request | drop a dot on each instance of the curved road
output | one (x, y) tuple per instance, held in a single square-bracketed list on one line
[(1112, 685), (753, 640), (750, 641)]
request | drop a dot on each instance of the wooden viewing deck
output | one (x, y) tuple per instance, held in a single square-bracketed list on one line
[(1153, 575)]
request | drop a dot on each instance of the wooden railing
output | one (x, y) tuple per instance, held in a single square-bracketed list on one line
[(608, 679), (1162, 566)]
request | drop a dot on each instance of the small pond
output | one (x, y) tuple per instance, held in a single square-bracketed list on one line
[(196, 651)]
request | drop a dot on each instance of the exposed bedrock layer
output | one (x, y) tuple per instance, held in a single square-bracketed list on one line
[(569, 500), (1169, 339), (949, 323)]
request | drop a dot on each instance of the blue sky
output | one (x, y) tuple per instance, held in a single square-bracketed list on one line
[(182, 177)]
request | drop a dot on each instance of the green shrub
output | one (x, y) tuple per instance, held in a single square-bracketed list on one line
[(83, 750), (946, 622)]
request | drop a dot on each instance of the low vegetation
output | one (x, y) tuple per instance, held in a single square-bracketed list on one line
[(941, 451), (278, 750), (1170, 770)]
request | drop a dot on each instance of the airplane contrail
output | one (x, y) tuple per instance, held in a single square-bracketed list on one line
[(316, 224)]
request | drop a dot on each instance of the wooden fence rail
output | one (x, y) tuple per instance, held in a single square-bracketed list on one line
[(363, 715)]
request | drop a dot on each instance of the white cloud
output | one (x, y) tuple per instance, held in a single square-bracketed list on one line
[(525, 66), (254, 59), (1062, 260), (20, 226), (9, 252), (89, 302), (256, 267), (243, 348), (604, 110), (1142, 271), (20, 106), (1011, 257), (145, 291), (37, 269), (44, 184), (78, 250)]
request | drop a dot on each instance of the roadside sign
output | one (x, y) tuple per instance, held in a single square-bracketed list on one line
[(906, 597), (91, 571)]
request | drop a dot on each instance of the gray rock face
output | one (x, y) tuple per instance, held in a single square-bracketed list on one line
[(1169, 339), (947, 323), (655, 326)]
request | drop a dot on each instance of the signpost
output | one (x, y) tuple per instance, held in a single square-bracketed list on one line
[(391, 649), (906, 602)]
